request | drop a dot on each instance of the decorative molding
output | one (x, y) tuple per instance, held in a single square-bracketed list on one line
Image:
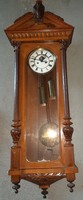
[(52, 35)]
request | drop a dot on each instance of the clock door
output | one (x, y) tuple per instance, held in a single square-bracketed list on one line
[(41, 108)]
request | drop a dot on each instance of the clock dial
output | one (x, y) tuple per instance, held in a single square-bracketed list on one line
[(41, 60)]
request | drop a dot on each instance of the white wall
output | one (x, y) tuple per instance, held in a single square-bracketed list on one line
[(72, 12)]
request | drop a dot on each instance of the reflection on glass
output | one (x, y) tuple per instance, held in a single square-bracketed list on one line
[(44, 147), (48, 134)]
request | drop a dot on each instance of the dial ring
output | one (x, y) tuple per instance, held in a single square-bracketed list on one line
[(41, 60)]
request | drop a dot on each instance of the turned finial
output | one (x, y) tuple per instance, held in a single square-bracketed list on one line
[(38, 11)]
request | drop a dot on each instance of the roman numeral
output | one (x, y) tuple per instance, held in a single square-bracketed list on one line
[(41, 52), (32, 61), (50, 65), (32, 57), (36, 53), (41, 70), (32, 65), (51, 60), (46, 68), (36, 68), (49, 56)]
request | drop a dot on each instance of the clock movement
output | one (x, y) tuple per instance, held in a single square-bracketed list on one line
[(42, 151)]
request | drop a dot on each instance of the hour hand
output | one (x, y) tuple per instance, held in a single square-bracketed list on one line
[(41, 58)]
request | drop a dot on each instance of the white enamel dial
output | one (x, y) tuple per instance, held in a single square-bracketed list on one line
[(41, 60)]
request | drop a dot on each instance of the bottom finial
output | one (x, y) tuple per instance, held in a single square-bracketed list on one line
[(44, 192), (71, 185), (16, 186)]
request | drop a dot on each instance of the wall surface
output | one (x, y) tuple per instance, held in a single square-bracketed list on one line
[(72, 12)]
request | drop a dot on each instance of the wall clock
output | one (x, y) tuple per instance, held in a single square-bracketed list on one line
[(42, 151)]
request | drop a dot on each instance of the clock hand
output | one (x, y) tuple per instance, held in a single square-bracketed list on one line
[(41, 58)]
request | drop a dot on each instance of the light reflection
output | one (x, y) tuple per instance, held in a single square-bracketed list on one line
[(48, 134)]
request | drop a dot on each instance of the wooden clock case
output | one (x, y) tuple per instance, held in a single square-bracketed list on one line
[(26, 34)]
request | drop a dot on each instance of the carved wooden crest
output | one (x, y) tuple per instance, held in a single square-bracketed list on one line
[(52, 27)]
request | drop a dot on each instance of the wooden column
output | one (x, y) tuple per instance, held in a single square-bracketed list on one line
[(68, 130), (16, 131)]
